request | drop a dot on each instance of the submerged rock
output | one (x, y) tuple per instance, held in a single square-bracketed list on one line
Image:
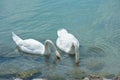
[(76, 74), (18, 65), (27, 73)]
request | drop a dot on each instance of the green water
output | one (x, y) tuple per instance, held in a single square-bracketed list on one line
[(95, 23)]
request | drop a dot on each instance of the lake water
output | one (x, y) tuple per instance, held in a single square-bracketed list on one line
[(95, 23)]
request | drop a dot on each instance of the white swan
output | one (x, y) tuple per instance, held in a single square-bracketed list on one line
[(35, 47), (68, 43)]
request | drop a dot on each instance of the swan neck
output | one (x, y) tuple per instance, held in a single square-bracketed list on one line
[(76, 54), (49, 43)]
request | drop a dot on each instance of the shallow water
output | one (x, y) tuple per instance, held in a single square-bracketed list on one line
[(95, 23)]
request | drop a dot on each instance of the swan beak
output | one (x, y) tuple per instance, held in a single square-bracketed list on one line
[(57, 55)]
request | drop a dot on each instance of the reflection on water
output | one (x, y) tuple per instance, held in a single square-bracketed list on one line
[(95, 23)]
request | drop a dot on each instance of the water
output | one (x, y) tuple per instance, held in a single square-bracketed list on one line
[(95, 23)]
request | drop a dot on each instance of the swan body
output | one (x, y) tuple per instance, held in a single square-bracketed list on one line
[(33, 46), (68, 43)]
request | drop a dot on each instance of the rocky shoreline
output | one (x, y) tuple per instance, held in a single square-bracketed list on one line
[(90, 77)]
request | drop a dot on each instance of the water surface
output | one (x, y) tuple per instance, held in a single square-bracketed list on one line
[(95, 23)]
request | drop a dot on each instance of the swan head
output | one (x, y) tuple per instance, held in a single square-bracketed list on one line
[(61, 32), (57, 55)]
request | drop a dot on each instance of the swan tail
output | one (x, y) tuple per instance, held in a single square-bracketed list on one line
[(16, 38), (61, 32)]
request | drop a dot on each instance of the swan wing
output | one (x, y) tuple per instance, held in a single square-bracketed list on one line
[(65, 42), (32, 46)]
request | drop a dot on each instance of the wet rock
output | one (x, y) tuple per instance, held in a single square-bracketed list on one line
[(106, 79), (18, 79), (95, 77), (109, 76), (38, 79), (86, 78), (105, 75), (116, 78)]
